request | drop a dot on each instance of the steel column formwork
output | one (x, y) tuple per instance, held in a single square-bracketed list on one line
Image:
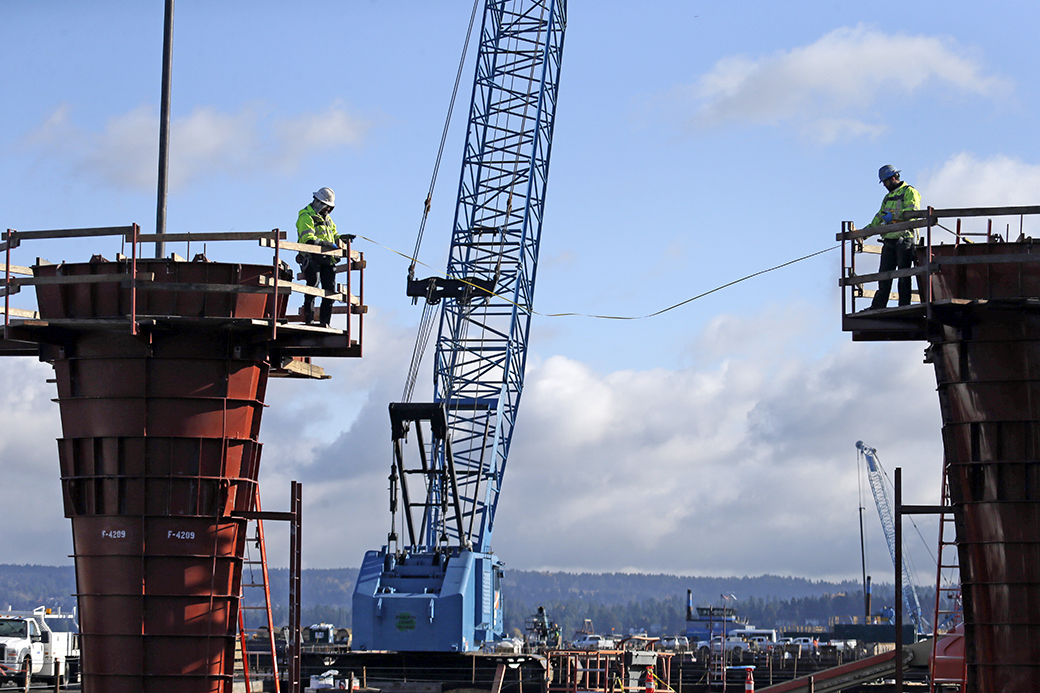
[(161, 368), (159, 448), (981, 316), (988, 372)]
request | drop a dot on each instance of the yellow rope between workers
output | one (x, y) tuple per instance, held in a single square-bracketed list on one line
[(416, 261)]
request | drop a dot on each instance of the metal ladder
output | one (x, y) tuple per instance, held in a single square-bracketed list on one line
[(250, 568), (951, 613)]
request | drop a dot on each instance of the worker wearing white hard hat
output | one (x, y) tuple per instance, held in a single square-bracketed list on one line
[(316, 227)]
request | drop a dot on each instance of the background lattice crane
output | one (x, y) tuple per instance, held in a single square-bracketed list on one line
[(875, 474)]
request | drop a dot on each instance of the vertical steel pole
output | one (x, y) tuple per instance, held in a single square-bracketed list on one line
[(164, 129), (294, 591), (899, 579)]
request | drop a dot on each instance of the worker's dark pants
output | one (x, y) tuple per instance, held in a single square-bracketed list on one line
[(311, 272), (896, 253)]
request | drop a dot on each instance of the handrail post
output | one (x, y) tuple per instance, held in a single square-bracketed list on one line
[(274, 303), (133, 281), (350, 287), (844, 290), (361, 302), (928, 261), (898, 577), (7, 283)]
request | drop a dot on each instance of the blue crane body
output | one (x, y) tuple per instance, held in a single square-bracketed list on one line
[(438, 588)]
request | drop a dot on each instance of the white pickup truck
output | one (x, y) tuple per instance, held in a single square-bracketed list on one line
[(588, 641), (38, 644), (733, 645)]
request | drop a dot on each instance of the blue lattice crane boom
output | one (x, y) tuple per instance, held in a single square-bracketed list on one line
[(438, 588), (875, 474)]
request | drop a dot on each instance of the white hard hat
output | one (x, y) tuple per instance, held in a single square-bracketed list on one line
[(327, 196)]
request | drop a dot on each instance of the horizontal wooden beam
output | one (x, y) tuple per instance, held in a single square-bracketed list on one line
[(986, 211), (16, 269), (20, 313), (869, 293), (339, 295), (895, 274), (210, 236), (876, 230), (310, 248), (304, 370), (77, 233)]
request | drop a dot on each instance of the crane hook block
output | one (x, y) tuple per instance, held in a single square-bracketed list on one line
[(436, 288)]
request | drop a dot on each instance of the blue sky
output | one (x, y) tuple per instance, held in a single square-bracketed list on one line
[(695, 144)]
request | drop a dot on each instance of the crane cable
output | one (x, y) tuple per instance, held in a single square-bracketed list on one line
[(426, 322), (614, 317)]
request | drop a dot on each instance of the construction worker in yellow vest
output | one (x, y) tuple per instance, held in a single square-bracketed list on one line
[(315, 226), (897, 251)]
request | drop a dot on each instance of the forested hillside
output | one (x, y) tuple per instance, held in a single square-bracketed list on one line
[(617, 602)]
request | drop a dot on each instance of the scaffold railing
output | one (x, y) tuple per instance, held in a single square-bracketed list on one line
[(133, 275), (959, 227)]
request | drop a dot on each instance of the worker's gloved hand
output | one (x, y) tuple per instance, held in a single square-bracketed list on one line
[(887, 216), (328, 245)]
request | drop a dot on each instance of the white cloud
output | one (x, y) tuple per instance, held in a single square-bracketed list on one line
[(313, 132), (124, 155), (34, 524), (743, 467), (965, 180), (837, 87)]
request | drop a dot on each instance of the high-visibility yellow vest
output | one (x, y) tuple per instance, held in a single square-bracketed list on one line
[(905, 198), (312, 226)]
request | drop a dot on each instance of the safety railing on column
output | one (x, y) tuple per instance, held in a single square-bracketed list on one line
[(17, 276), (854, 283)]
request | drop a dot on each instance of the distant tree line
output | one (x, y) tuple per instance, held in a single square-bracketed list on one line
[(615, 602)]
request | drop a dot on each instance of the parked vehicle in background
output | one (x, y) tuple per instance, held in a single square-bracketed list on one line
[(844, 645), (675, 643), (755, 634), (735, 646), (590, 641), (760, 643), (38, 644)]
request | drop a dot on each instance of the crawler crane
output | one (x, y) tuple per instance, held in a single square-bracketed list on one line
[(438, 587)]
